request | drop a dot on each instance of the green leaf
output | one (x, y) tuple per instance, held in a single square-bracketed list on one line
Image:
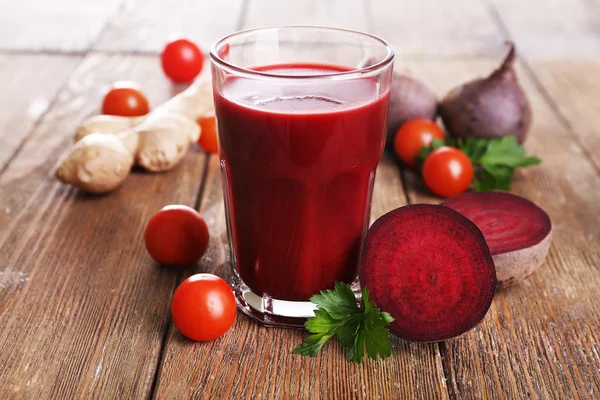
[(338, 303), (486, 181), (527, 161), (474, 148), (357, 328), (312, 344), (423, 153), (386, 317), (508, 152), (498, 162), (347, 332), (323, 322), (437, 143), (357, 351), (376, 342)]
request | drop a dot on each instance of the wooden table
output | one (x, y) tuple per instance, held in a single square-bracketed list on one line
[(84, 312)]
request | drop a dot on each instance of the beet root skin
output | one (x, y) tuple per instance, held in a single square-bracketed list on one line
[(430, 268), (517, 231), (409, 99), (492, 107), (515, 266)]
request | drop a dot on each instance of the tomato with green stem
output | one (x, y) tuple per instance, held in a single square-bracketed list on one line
[(447, 171), (176, 235), (203, 307), (412, 136), (125, 99), (182, 60)]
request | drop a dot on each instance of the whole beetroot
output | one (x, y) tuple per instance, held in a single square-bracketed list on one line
[(492, 107), (409, 99)]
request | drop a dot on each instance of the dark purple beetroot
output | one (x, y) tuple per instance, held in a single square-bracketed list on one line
[(430, 268), (492, 107), (409, 99), (517, 231)]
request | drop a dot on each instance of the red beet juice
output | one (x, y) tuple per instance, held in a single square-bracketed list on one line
[(299, 163)]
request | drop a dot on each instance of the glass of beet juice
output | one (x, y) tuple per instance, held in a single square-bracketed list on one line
[(302, 114)]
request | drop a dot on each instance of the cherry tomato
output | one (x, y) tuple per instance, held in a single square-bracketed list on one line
[(208, 134), (176, 235), (182, 60), (413, 135), (447, 171), (125, 99), (203, 307)]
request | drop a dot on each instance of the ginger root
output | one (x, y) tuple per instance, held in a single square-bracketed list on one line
[(99, 163), (106, 147)]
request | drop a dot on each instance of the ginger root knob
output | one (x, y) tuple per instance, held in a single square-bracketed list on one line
[(164, 140), (98, 163)]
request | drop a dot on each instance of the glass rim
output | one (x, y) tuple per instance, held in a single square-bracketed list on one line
[(251, 73)]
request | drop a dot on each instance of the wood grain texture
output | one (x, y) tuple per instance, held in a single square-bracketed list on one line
[(338, 13), (540, 338), (147, 25), (64, 25), (27, 93), (574, 91), (551, 28), (436, 27), (252, 361), (84, 311), (83, 308)]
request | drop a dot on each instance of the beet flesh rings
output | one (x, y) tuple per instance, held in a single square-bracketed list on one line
[(517, 231), (431, 269)]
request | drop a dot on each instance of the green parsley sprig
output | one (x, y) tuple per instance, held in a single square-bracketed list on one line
[(494, 160), (357, 327)]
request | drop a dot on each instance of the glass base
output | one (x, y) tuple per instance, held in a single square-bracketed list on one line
[(274, 312)]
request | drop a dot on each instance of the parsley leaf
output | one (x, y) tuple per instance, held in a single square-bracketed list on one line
[(357, 327)]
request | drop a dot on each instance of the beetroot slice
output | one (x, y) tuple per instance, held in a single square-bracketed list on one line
[(430, 268), (517, 231)]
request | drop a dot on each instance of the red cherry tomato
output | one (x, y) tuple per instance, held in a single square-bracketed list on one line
[(182, 60), (176, 235), (203, 307), (125, 99), (413, 135), (208, 135), (447, 171)]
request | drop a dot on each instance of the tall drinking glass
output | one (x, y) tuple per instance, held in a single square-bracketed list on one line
[(302, 114)]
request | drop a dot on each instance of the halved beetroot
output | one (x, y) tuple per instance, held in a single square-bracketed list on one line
[(430, 268), (517, 231)]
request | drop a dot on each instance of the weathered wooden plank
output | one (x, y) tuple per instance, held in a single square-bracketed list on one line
[(574, 91), (339, 13), (146, 26), (30, 85), (540, 339), (436, 27), (552, 28), (251, 361), (65, 25), (83, 308)]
